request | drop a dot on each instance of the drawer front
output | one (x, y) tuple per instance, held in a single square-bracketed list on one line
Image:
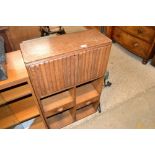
[(58, 110), (141, 32), (87, 102), (91, 63), (134, 44), (53, 75)]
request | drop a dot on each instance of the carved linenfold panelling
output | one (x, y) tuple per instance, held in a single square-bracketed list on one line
[(50, 76), (91, 63)]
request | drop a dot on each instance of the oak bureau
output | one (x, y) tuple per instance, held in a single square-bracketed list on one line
[(137, 39)]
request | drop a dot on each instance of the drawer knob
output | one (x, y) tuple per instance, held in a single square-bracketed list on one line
[(87, 103), (60, 109), (135, 44)]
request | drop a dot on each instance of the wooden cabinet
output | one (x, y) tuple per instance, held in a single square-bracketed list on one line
[(17, 100), (137, 39), (17, 34), (66, 73)]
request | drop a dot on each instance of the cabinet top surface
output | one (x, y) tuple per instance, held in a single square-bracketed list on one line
[(16, 70), (3, 28), (44, 47)]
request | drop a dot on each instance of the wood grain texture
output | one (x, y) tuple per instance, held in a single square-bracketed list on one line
[(91, 63), (15, 93), (45, 47)]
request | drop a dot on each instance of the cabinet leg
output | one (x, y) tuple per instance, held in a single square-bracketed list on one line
[(144, 61), (99, 108), (106, 82)]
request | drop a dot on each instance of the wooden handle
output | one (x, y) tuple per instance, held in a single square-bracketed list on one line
[(60, 109), (135, 44), (87, 103)]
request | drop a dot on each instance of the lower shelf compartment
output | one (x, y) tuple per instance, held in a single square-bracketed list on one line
[(15, 93), (7, 118), (85, 111), (60, 120), (18, 112), (37, 124), (57, 103), (24, 109), (86, 93)]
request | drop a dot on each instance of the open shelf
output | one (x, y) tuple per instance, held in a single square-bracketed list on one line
[(15, 93), (60, 120), (24, 109), (57, 103), (85, 111), (2, 101), (86, 93), (37, 124), (7, 118)]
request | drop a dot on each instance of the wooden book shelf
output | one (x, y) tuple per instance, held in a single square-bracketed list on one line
[(77, 61), (17, 102), (15, 93)]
